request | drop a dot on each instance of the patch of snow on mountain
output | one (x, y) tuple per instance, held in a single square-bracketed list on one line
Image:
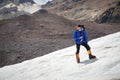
[(28, 7), (61, 64)]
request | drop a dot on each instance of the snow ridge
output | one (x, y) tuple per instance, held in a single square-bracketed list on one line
[(61, 64)]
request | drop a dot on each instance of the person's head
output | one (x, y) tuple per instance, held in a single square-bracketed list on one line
[(79, 27)]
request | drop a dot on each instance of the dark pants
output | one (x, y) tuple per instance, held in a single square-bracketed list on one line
[(84, 44)]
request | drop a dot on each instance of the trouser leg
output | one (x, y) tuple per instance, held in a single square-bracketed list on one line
[(78, 48), (89, 51), (87, 48), (77, 53)]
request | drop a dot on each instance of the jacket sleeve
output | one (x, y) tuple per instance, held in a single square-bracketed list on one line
[(85, 36), (75, 36)]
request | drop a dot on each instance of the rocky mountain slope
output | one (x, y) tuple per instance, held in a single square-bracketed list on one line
[(111, 15), (84, 9), (15, 2), (24, 1), (34, 35), (14, 8)]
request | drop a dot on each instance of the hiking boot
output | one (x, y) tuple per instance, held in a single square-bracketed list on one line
[(92, 56), (77, 58)]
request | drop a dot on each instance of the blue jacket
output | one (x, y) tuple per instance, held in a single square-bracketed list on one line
[(77, 34)]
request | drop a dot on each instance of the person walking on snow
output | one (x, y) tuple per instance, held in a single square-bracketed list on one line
[(80, 37)]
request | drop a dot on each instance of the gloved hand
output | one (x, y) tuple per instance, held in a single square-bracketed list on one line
[(81, 37), (85, 42)]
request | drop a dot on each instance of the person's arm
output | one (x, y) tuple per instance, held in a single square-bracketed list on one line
[(85, 36), (75, 36)]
